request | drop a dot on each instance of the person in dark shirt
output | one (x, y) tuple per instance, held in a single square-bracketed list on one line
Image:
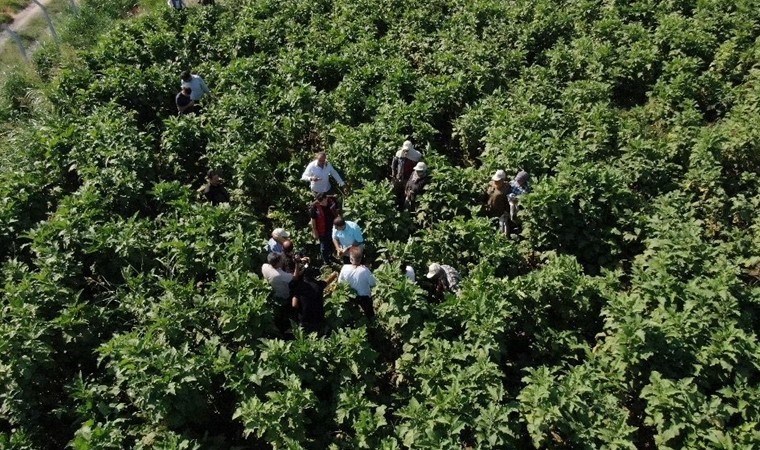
[(213, 190), (322, 212), (185, 104), (415, 185), (307, 298)]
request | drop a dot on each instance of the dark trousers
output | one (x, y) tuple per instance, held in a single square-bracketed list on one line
[(365, 303), (326, 248)]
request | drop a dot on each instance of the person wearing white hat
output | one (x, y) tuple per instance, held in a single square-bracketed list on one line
[(402, 167), (497, 205), (415, 185), (274, 245), (446, 278)]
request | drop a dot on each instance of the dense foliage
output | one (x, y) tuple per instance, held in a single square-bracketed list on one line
[(624, 316)]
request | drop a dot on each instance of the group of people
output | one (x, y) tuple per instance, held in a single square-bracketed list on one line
[(294, 283), (192, 90)]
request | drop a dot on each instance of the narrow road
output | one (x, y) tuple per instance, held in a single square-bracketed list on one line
[(22, 19)]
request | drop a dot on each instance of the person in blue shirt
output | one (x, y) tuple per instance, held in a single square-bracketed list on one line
[(519, 186), (346, 235), (279, 236)]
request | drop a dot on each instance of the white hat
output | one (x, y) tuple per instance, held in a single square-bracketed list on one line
[(280, 233), (421, 166), (407, 145), (434, 270), (499, 175)]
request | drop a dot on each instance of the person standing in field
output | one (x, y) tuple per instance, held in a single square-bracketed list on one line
[(213, 190), (415, 185), (318, 173), (196, 83), (402, 167), (308, 300), (518, 187), (498, 204), (323, 212), (184, 102), (176, 4), (361, 280)]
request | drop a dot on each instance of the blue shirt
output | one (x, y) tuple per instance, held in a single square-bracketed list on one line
[(349, 235), (517, 190), (274, 247)]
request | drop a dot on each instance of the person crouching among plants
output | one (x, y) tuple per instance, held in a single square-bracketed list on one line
[(497, 204), (361, 280), (444, 278), (346, 235), (415, 185), (213, 190)]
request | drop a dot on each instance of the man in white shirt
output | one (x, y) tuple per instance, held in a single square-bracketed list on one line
[(361, 280), (318, 174), (196, 83)]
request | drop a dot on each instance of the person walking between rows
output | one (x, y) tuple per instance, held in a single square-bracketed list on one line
[(361, 280), (415, 185), (402, 167), (346, 235), (318, 173), (498, 204), (323, 212)]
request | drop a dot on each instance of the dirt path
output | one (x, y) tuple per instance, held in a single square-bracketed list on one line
[(22, 19)]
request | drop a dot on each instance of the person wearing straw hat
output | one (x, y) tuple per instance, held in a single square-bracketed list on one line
[(445, 278), (415, 185), (498, 203), (279, 236)]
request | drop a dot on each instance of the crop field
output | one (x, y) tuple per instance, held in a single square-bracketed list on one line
[(623, 312)]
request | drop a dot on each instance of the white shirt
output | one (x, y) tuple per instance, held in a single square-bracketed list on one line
[(323, 175), (409, 273), (412, 154), (359, 278), (198, 87), (278, 279)]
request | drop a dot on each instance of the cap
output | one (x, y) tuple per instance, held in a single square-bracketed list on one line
[(499, 175), (407, 145), (434, 270), (280, 233), (421, 166), (521, 176)]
